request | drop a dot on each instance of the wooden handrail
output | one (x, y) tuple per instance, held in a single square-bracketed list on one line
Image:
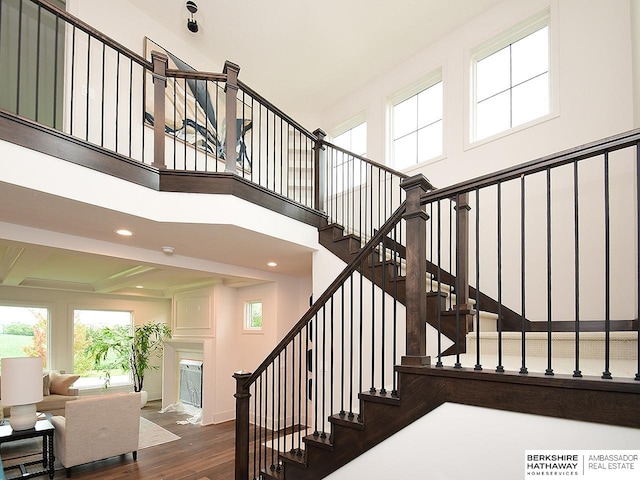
[(367, 160), (610, 144), (88, 29), (326, 295)]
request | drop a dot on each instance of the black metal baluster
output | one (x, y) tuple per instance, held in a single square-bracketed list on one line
[(102, 97), (499, 367), (279, 392), (439, 289), (383, 315), (86, 113), (576, 232), (431, 259), (637, 377), (260, 143), (478, 365), (396, 265), (457, 281), (523, 366), (301, 353), (272, 396), (253, 399), (175, 120), (184, 122), (267, 149), (131, 107), (342, 345), (195, 126), (281, 157), (351, 347), (607, 273), (373, 326), (39, 26), (331, 356), (259, 419), (285, 395), (18, 69), (549, 370), (55, 77), (324, 370), (117, 99), (73, 77), (452, 289), (361, 340), (316, 375)]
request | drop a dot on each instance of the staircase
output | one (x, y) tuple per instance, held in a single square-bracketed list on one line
[(489, 358), (355, 368)]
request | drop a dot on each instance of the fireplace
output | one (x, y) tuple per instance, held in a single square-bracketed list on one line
[(190, 386)]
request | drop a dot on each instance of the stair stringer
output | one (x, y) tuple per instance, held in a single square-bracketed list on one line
[(382, 416)]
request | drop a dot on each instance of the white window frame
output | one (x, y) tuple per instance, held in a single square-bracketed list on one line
[(509, 36), (46, 307), (247, 318), (88, 383), (344, 169), (414, 89)]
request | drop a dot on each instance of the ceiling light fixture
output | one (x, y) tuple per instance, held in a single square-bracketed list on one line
[(272, 264), (192, 24), (168, 250), (124, 232)]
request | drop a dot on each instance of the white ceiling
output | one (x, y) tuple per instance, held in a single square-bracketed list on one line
[(303, 56)]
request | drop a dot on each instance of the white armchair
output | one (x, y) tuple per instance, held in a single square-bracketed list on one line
[(97, 427)]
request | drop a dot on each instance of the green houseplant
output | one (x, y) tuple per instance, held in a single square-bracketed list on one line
[(117, 348)]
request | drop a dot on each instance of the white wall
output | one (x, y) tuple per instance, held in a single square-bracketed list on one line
[(492, 444), (61, 305), (593, 81)]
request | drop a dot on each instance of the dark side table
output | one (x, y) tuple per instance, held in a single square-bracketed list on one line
[(44, 429)]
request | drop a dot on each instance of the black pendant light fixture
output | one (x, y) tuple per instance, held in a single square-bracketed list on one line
[(192, 24)]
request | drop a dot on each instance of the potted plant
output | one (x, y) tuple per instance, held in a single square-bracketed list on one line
[(117, 348)]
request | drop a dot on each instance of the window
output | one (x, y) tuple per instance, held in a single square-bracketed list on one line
[(23, 332), (348, 171), (511, 79), (253, 315), (86, 323), (354, 139), (416, 125)]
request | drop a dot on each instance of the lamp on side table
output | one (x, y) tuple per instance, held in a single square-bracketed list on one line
[(22, 389)]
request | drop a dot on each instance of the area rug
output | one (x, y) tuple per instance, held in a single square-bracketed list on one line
[(152, 434), (21, 450)]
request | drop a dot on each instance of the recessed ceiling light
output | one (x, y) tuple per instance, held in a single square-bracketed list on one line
[(139, 286), (124, 232), (272, 264)]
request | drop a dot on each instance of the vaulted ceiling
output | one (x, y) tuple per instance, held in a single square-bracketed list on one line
[(302, 56)]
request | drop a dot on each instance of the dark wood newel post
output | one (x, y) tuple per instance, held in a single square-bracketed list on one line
[(462, 211), (242, 396), (231, 100), (416, 280), (160, 62), (462, 295), (319, 179)]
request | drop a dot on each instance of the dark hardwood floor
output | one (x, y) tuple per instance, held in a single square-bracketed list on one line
[(201, 453)]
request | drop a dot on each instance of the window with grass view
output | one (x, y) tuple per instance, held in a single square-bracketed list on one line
[(86, 323), (253, 315), (23, 332), (511, 79)]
